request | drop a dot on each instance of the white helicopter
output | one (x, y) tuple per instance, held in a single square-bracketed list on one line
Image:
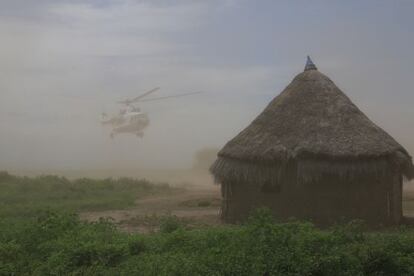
[(130, 119)]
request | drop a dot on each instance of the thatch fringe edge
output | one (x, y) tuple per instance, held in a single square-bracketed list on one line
[(232, 170)]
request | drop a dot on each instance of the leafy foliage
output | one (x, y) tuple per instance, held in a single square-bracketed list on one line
[(59, 243), (169, 224)]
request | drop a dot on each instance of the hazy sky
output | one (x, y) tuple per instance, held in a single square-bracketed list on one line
[(64, 62)]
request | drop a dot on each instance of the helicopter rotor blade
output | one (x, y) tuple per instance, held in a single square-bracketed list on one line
[(145, 94), (129, 101), (172, 96)]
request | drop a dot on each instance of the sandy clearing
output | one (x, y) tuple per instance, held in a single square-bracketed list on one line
[(184, 204)]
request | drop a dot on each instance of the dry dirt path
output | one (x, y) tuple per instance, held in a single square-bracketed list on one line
[(199, 205)]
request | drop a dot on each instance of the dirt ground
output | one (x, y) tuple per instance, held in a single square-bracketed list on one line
[(194, 205), (198, 203)]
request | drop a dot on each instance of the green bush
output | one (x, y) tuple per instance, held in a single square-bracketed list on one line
[(136, 246), (169, 224), (59, 243)]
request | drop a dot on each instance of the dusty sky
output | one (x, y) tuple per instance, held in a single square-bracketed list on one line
[(64, 62)]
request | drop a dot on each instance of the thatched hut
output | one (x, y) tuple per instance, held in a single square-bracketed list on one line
[(312, 154)]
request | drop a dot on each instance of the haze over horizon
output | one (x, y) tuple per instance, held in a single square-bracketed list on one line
[(64, 62)]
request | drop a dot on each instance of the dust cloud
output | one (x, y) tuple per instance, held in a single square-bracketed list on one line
[(64, 62)]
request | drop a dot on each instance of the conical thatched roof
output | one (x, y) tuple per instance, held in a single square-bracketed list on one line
[(314, 127)]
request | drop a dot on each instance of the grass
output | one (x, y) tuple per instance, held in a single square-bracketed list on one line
[(55, 243), (162, 223), (24, 197)]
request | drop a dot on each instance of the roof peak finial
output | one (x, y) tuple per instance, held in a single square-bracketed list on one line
[(309, 64)]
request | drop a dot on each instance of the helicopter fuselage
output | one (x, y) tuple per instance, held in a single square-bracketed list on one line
[(130, 119), (135, 123)]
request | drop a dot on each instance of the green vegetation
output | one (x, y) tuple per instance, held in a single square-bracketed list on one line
[(39, 241), (24, 197), (59, 244), (201, 202), (162, 223)]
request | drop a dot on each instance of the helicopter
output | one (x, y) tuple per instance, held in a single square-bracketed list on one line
[(131, 119)]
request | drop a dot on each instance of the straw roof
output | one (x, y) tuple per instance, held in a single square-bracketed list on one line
[(314, 127)]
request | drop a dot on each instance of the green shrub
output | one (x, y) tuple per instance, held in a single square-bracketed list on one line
[(169, 224), (136, 246), (60, 244)]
